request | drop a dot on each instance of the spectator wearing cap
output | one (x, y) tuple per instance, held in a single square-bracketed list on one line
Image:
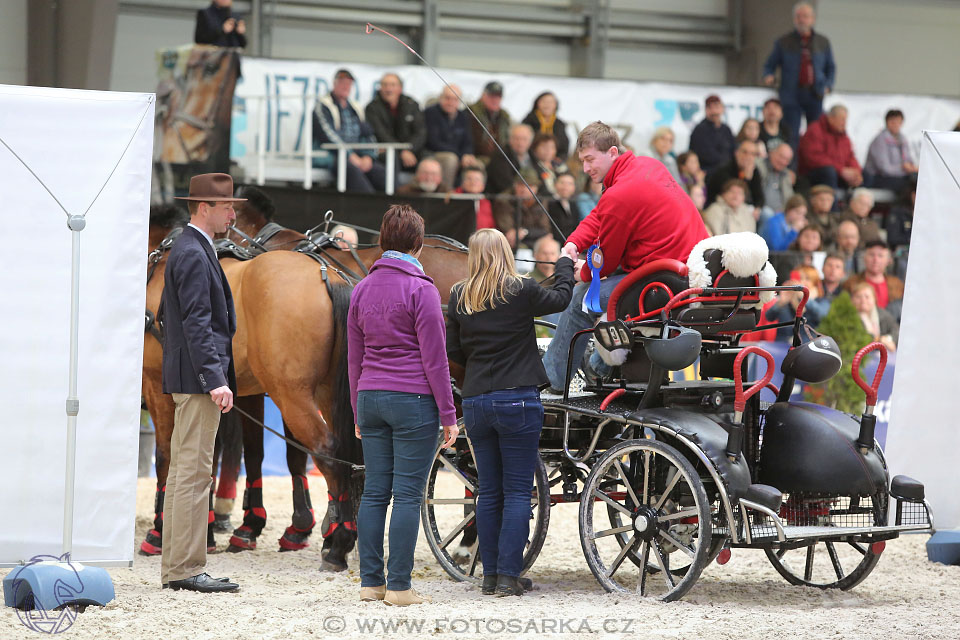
[(474, 180), (448, 134), (776, 179), (217, 25), (500, 174), (782, 229), (743, 166), (826, 153), (861, 203), (848, 246), (396, 117), (888, 288), (491, 118), (889, 160), (820, 213), (772, 131), (807, 70), (340, 119), (661, 148), (543, 119), (712, 140), (730, 213)]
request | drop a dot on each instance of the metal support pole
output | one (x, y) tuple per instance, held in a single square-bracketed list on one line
[(308, 142), (261, 141), (76, 225), (430, 35), (390, 168), (341, 169)]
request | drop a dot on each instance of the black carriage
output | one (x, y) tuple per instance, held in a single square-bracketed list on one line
[(670, 475)]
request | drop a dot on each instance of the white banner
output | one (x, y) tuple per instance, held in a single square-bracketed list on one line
[(635, 108), (76, 143), (923, 440)]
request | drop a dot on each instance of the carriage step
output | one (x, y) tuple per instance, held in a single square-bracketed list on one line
[(906, 488), (764, 495)]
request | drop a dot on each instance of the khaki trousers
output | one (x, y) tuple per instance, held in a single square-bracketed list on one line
[(449, 166), (186, 504)]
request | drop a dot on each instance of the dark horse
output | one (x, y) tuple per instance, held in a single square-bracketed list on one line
[(290, 343)]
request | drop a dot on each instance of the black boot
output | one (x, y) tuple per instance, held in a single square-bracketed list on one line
[(508, 586), (489, 586)]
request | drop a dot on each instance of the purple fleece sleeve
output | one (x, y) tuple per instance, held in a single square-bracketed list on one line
[(432, 336), (354, 353)]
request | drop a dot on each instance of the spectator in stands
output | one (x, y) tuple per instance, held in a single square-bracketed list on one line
[(449, 136), (750, 130), (776, 179), (712, 140), (698, 193), (888, 288), (783, 228), (493, 118), (474, 180), (879, 323), (730, 213), (808, 242), (848, 246), (217, 25), (588, 198), (899, 221), (428, 179), (826, 153), (543, 119), (820, 214), (396, 117), (546, 251), (807, 70), (834, 276), (743, 166), (688, 164), (661, 148), (520, 202), (889, 160), (772, 131), (861, 203), (544, 153), (344, 237), (563, 208), (785, 308), (500, 174), (338, 118)]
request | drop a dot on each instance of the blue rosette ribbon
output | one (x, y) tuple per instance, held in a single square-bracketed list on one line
[(595, 260)]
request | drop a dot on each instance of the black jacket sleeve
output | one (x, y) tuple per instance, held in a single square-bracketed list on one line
[(207, 30), (454, 351), (543, 300)]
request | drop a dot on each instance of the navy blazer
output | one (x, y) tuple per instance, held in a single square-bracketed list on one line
[(198, 319)]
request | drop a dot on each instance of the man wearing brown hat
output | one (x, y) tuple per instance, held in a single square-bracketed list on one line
[(493, 118), (199, 323), (821, 215)]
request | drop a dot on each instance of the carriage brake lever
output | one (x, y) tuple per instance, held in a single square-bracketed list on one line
[(735, 437), (868, 421)]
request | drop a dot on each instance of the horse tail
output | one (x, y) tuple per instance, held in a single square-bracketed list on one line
[(348, 446)]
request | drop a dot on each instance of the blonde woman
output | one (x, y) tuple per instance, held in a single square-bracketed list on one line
[(879, 323), (661, 148), (490, 332)]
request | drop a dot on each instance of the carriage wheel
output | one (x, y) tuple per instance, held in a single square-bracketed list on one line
[(826, 564), (665, 515), (449, 507)]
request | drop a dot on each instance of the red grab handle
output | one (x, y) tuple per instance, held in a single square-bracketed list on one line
[(773, 388), (870, 390), (686, 293), (740, 400), (616, 393)]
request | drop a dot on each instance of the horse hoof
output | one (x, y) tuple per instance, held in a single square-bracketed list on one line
[(326, 565), (238, 544), (221, 523), (152, 545), (461, 554), (211, 549), (294, 540)]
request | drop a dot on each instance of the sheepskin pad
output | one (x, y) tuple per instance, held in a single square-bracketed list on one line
[(744, 254)]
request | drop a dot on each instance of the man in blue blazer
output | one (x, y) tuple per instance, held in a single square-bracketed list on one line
[(199, 323), (807, 70)]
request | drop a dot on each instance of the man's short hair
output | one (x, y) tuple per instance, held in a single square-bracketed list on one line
[(343, 73), (391, 73), (802, 3), (794, 202), (542, 241), (475, 169), (893, 113), (746, 141), (733, 182), (837, 109), (193, 206), (542, 138), (599, 136), (876, 243), (712, 99), (863, 192), (836, 256)]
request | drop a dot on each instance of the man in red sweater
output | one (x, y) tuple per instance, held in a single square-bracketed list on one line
[(643, 215), (826, 153)]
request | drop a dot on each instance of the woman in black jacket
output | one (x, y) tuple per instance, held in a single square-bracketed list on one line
[(491, 333), (543, 119)]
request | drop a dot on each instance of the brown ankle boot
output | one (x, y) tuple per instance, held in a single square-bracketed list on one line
[(404, 598)]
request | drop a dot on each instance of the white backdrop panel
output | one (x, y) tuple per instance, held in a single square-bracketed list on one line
[(923, 440), (72, 140)]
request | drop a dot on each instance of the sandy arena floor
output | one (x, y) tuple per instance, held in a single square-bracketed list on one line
[(284, 595)]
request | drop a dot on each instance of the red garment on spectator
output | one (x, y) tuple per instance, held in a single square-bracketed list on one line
[(484, 212), (643, 215), (882, 292), (806, 62), (821, 146)]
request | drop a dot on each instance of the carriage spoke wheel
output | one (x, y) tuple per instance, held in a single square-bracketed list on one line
[(448, 512), (827, 564), (663, 521)]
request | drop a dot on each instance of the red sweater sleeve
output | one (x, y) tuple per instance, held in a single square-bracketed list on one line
[(813, 148), (586, 232), (606, 227)]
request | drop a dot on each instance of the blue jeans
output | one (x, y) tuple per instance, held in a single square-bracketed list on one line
[(400, 436), (504, 427), (808, 104), (574, 319)]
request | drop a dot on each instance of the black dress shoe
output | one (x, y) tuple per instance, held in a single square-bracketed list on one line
[(204, 584), (166, 585), (508, 586), (489, 586)]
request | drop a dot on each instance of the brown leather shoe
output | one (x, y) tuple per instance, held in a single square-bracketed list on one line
[(369, 594), (404, 598)]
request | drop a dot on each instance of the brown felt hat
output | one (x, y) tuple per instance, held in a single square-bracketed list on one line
[(822, 188), (212, 187)]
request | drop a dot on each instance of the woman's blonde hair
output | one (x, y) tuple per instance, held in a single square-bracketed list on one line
[(492, 273)]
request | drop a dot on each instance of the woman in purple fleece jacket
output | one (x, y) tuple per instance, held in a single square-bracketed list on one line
[(400, 389)]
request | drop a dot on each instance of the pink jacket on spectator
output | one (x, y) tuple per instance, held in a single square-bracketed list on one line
[(821, 146)]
